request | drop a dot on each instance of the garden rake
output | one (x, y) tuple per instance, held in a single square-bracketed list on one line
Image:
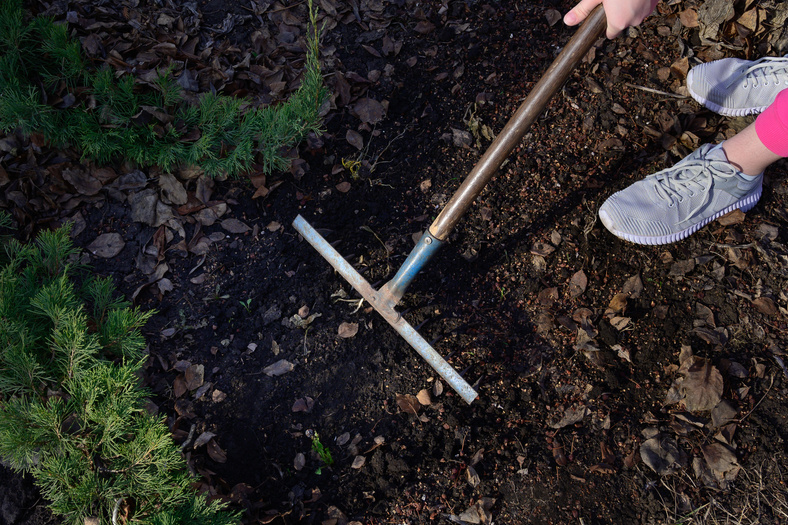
[(387, 297)]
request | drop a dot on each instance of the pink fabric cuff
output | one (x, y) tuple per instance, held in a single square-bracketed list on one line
[(772, 125)]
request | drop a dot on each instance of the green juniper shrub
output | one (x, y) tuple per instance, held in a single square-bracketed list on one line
[(72, 410), (108, 114)]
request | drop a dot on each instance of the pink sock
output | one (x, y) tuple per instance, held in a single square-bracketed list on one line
[(772, 125)]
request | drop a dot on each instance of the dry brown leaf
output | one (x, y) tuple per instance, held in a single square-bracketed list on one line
[(723, 413), (630, 460), (765, 305), (544, 322), (681, 268), (689, 18), (548, 296), (472, 477), (207, 216), (303, 404), (408, 403), (685, 353), (181, 366), (578, 284), (147, 208), (437, 388), (542, 248), (425, 27), (619, 323), (461, 138), (660, 454), (369, 111), (184, 408), (261, 191), (83, 182), (355, 139), (107, 245), (618, 303), (633, 287), (734, 217), (424, 397), (270, 515), (765, 231), (711, 15), (725, 434), (705, 315), (172, 190), (553, 16), (203, 439), (179, 386), (218, 396), (749, 20), (570, 416), (302, 322), (716, 337), (235, 226), (719, 457), (280, 367), (347, 330), (602, 468), (702, 386), (216, 453), (622, 352), (194, 376)]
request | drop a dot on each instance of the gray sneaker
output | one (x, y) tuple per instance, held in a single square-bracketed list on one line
[(736, 87), (674, 203)]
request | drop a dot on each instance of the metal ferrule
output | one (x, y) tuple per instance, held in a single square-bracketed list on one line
[(420, 255)]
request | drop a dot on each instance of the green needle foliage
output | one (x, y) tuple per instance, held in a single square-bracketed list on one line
[(71, 405), (107, 114)]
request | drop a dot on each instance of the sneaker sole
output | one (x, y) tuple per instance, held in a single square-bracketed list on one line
[(721, 110), (745, 205)]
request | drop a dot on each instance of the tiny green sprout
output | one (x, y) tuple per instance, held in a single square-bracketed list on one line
[(247, 305), (322, 450)]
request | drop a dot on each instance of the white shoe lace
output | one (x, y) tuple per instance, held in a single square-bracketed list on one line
[(762, 69), (685, 180)]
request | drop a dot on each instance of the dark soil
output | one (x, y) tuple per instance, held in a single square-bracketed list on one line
[(504, 301)]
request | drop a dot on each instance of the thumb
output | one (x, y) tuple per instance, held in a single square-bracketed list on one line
[(580, 12)]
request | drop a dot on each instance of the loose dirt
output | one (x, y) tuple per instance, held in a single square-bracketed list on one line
[(586, 350)]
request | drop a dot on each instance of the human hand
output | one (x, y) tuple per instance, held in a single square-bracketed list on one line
[(620, 14)]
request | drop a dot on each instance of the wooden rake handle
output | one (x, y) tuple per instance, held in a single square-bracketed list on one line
[(521, 121)]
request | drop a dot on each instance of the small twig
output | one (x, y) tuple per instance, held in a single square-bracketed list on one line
[(745, 416), (189, 438), (655, 91), (115, 511)]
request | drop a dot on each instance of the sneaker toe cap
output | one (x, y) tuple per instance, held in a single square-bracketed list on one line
[(630, 224)]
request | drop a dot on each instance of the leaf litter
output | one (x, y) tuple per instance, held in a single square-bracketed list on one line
[(233, 70)]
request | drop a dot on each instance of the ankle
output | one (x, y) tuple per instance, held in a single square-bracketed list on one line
[(746, 152)]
